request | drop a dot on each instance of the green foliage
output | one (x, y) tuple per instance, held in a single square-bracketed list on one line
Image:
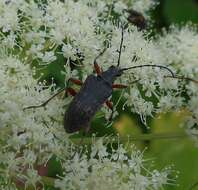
[(177, 11)]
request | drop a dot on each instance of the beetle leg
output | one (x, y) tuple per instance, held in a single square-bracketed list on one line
[(119, 86), (109, 104), (76, 81), (97, 68), (71, 91), (87, 129)]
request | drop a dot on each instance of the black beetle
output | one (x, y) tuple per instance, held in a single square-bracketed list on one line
[(94, 92)]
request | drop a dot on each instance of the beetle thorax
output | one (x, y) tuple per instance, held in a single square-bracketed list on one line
[(111, 74)]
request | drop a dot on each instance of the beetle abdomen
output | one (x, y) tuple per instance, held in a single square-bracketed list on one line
[(86, 103), (77, 118)]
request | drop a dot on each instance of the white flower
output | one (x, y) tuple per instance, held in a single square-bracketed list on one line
[(99, 149), (143, 6), (69, 51), (32, 178), (9, 20), (179, 46), (48, 57), (119, 7), (105, 173)]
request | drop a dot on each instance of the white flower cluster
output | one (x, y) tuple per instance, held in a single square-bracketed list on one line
[(116, 170), (179, 47), (29, 138), (78, 31), (143, 5)]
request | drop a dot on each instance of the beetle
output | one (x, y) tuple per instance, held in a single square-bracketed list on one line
[(137, 19), (94, 92)]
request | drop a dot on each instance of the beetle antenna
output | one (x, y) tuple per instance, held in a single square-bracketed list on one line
[(159, 66), (183, 78), (121, 44), (46, 102), (100, 54)]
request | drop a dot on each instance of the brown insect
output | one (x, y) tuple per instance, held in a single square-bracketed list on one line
[(137, 19)]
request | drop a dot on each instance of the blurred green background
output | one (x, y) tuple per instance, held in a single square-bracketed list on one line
[(180, 151), (175, 11)]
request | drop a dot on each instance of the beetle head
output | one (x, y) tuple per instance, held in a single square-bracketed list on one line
[(116, 71), (112, 73)]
